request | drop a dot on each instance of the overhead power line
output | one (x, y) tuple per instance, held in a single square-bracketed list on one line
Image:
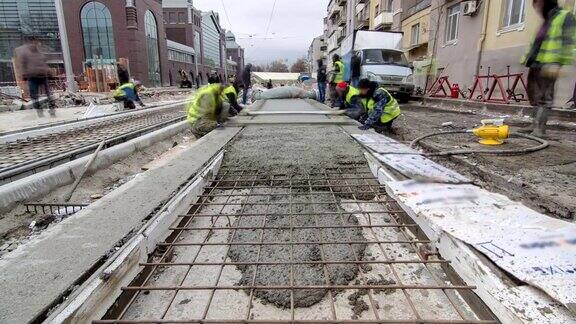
[(270, 19), (226, 14)]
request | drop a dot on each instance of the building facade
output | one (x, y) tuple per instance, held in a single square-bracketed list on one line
[(213, 49), (183, 25), (20, 19), (181, 58), (315, 53), (102, 32), (235, 53)]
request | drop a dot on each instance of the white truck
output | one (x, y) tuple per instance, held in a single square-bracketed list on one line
[(382, 60)]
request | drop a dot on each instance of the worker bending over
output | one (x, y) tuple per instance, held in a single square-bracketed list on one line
[(350, 100), (381, 108), (230, 95), (206, 109), (127, 91)]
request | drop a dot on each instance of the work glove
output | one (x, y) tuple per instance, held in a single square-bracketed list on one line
[(551, 71), (364, 127)]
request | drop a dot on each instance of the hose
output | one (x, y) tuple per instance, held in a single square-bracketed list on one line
[(543, 144)]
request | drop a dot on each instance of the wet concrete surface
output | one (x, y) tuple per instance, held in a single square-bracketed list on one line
[(298, 152)]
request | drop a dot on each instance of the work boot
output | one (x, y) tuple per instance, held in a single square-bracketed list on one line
[(540, 122)]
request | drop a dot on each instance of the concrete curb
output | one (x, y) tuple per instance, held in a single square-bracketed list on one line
[(512, 109), (42, 183)]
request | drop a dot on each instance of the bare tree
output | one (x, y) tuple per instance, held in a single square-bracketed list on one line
[(278, 66), (300, 66)]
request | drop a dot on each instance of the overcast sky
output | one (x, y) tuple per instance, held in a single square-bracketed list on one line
[(293, 25)]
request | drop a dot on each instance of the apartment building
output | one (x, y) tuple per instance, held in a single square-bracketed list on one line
[(316, 52)]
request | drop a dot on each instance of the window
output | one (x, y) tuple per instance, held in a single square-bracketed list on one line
[(415, 34), (151, 30), (513, 12), (390, 5), (452, 18), (97, 32), (181, 18), (172, 17)]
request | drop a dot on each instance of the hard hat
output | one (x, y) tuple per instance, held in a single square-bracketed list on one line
[(342, 85)]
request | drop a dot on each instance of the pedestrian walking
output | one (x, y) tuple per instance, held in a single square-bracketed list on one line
[(552, 48), (321, 78), (247, 81), (35, 70)]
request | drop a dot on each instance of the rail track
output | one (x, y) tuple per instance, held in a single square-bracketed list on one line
[(23, 157)]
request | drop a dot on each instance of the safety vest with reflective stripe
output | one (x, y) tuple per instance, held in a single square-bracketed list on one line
[(122, 90), (228, 90), (552, 49), (352, 92), (339, 77), (390, 111), (194, 107)]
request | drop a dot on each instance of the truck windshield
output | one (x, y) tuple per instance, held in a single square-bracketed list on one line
[(383, 56)]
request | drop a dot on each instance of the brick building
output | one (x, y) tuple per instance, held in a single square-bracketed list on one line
[(101, 32), (183, 25)]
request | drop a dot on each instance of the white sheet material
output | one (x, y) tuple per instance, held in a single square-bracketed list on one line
[(532, 247), (407, 161)]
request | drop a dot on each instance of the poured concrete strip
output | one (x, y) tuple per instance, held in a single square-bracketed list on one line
[(99, 293), (295, 112), (508, 301), (64, 126), (38, 272), (43, 182)]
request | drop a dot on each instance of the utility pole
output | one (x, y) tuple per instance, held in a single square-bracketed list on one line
[(70, 82)]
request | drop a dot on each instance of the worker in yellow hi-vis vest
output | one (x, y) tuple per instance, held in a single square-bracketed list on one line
[(381, 107), (336, 76), (206, 110), (552, 48), (350, 100)]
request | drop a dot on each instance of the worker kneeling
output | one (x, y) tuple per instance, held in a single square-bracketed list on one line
[(230, 95), (350, 100), (381, 107), (206, 109)]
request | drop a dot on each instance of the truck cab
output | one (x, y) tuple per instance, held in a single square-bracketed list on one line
[(381, 59)]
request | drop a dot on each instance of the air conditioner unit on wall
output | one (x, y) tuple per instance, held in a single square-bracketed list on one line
[(469, 8)]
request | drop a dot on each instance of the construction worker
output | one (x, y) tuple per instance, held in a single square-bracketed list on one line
[(337, 76), (350, 100), (206, 110), (552, 48), (381, 107), (230, 95), (127, 91)]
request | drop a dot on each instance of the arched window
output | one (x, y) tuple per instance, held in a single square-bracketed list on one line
[(97, 32), (151, 29)]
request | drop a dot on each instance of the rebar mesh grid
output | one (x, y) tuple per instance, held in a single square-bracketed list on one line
[(193, 280)]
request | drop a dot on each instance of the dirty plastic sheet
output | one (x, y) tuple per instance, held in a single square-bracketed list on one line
[(532, 247), (408, 161)]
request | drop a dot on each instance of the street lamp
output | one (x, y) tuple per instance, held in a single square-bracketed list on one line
[(70, 82)]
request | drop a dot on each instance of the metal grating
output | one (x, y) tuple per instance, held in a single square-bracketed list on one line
[(193, 279)]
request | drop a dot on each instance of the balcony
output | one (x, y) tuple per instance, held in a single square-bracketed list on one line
[(416, 8), (341, 2), (363, 18), (341, 34), (383, 19), (334, 9), (341, 20)]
